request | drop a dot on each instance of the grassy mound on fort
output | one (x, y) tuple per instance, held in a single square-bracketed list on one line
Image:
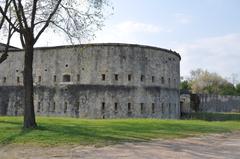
[(58, 131)]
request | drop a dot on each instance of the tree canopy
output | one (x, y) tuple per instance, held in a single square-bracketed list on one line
[(77, 19), (29, 19), (202, 81)]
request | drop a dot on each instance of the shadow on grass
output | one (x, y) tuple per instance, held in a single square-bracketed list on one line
[(123, 132), (212, 116), (10, 122), (11, 138), (92, 132)]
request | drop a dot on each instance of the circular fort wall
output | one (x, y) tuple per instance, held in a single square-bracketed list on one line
[(106, 81)]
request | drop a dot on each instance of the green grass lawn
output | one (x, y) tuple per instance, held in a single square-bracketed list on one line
[(213, 116), (57, 131)]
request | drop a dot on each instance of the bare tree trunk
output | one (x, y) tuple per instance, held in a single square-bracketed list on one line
[(29, 114)]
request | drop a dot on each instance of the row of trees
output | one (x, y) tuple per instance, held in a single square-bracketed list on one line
[(202, 81)]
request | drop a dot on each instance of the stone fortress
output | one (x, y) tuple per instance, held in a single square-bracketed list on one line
[(95, 81)]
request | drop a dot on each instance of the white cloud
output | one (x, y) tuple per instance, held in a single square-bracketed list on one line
[(134, 27), (217, 54), (130, 32), (183, 18)]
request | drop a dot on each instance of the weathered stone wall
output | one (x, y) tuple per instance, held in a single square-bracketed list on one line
[(95, 81), (218, 103), (185, 102), (209, 103)]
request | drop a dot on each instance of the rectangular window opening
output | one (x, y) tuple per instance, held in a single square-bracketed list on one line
[(162, 80), (169, 108), (116, 77), (129, 77), (115, 107), (142, 78), (129, 107), (4, 79), (78, 77), (54, 107), (39, 78), (153, 108), (18, 79), (54, 78), (103, 107), (103, 77), (39, 107), (142, 108), (66, 78), (153, 79), (65, 107), (163, 111)]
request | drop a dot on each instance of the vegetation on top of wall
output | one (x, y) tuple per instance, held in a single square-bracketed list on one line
[(204, 82)]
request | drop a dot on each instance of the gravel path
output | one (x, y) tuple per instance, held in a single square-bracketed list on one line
[(223, 146)]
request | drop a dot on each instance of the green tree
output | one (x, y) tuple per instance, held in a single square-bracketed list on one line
[(203, 81), (29, 19), (185, 85), (238, 89), (228, 89)]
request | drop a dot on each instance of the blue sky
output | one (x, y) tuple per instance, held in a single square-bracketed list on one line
[(206, 33)]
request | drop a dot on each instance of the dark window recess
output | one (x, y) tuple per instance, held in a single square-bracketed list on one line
[(129, 107), (129, 77), (153, 79), (66, 65), (4, 79), (103, 77), (153, 108), (18, 79), (115, 107), (116, 77), (169, 108), (142, 78), (169, 81), (77, 106), (66, 78), (162, 80), (78, 77), (55, 78), (16, 70), (45, 70), (54, 107), (175, 107), (103, 107), (163, 108), (39, 78), (38, 107), (48, 107), (65, 107), (142, 108)]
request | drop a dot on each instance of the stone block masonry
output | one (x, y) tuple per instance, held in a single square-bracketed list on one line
[(218, 103), (95, 81), (209, 103)]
